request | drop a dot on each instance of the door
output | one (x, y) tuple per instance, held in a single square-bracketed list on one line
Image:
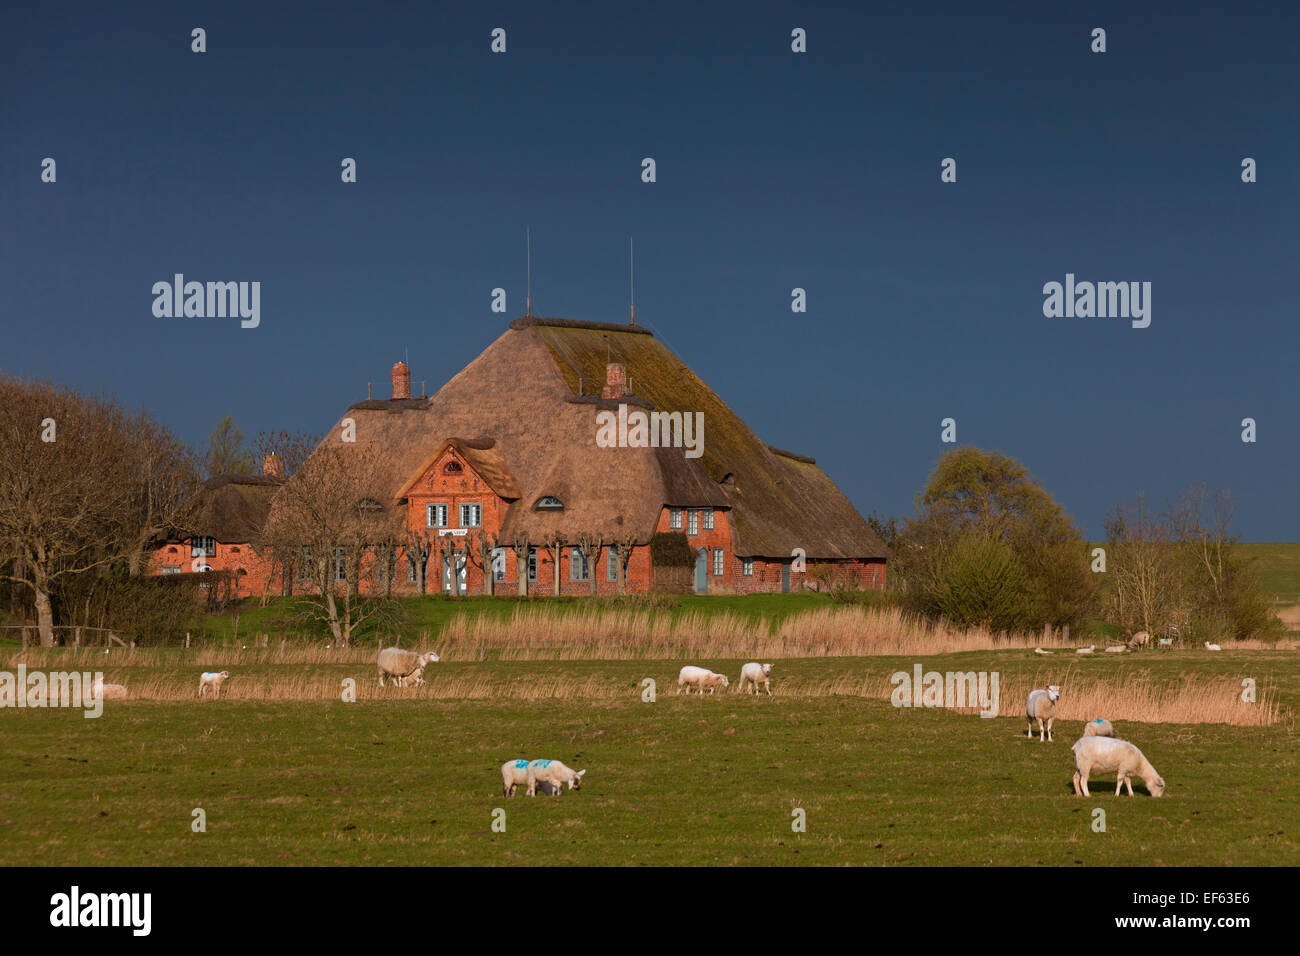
[(702, 572)]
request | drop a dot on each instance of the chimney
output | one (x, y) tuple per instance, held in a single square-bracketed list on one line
[(615, 381), (401, 381), (272, 466)]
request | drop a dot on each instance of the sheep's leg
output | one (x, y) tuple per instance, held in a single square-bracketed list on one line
[(1084, 779), (1041, 730), (1119, 784), (1030, 732), (768, 685), (1049, 727), (1077, 791), (1128, 782)]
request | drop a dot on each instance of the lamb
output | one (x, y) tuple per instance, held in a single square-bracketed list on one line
[(1107, 754), (756, 674), (402, 665), (700, 678), (1098, 728), (1086, 650), (1140, 639), (1116, 649), (1042, 707), (1039, 650), (551, 774), (1212, 647), (212, 682)]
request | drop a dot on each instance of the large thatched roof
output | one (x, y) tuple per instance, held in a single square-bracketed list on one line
[(232, 508), (536, 430)]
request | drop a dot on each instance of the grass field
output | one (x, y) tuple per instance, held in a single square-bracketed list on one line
[(412, 776)]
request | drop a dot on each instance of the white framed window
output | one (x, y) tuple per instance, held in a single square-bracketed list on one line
[(747, 567), (692, 522), (532, 564), (203, 548), (708, 519), (340, 564), (436, 515), (718, 562), (675, 519), (578, 570), (611, 564), (499, 565), (171, 569), (410, 571), (471, 516)]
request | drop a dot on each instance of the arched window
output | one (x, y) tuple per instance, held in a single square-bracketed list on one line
[(549, 502), (452, 468)]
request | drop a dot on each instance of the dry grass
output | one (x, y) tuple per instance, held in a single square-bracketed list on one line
[(1290, 616)]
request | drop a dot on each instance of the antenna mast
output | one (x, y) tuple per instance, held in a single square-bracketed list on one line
[(528, 241), (631, 256)]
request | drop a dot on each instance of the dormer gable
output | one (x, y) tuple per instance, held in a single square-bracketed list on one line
[(462, 466)]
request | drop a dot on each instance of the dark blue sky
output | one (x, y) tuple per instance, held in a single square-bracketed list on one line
[(775, 170)]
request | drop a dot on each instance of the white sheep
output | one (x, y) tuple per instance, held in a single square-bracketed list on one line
[(1039, 650), (1212, 647), (1086, 650), (513, 773), (1165, 642), (1041, 706), (1116, 649), (554, 774), (700, 678), (102, 691), (1140, 639), (212, 682), (756, 674), (402, 665), (1112, 755), (1098, 728)]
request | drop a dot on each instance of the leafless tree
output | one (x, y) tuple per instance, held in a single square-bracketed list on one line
[(520, 544), (1149, 590), (589, 544), (555, 543)]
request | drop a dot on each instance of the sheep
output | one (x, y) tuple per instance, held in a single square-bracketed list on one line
[(1086, 650), (1166, 642), (212, 682), (1039, 650), (1140, 639), (1042, 707), (1107, 754), (1116, 649), (700, 678), (552, 773), (1098, 728), (756, 674), (1212, 647), (403, 665), (102, 691), (513, 773)]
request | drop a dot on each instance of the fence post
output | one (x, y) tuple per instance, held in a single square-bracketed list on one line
[(266, 639), (76, 636), (283, 640), (187, 639), (131, 657)]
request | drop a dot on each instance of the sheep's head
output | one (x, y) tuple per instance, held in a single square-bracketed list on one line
[(575, 782), (1156, 787), (429, 658), (224, 675), (1053, 692), (767, 669)]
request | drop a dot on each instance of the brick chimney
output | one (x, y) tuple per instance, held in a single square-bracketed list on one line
[(401, 381), (272, 466), (615, 381)]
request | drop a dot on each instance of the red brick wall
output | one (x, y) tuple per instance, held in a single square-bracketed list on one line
[(251, 569)]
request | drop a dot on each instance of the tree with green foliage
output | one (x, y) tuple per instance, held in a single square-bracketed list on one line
[(989, 546)]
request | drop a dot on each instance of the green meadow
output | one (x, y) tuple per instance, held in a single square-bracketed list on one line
[(412, 777)]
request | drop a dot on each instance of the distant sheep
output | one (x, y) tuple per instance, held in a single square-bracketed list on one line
[(212, 682), (1165, 642), (104, 691), (1039, 650), (1140, 639), (1086, 650), (1098, 728), (1116, 649), (1042, 707), (403, 666), (1212, 647), (756, 674), (554, 774), (1112, 755), (701, 678)]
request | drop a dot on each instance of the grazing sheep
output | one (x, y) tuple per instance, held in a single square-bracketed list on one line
[(1086, 650), (1116, 649), (1039, 650), (212, 682), (1165, 642), (756, 674), (1110, 754), (700, 678), (554, 773), (104, 691), (1212, 647), (1042, 707), (513, 773), (1140, 639), (1098, 728), (402, 665)]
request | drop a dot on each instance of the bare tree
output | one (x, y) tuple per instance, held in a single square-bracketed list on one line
[(65, 486), (164, 480), (291, 448), (1149, 590), (555, 542), (485, 546), (419, 549), (520, 544), (325, 522), (589, 544), (1200, 518), (624, 544)]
